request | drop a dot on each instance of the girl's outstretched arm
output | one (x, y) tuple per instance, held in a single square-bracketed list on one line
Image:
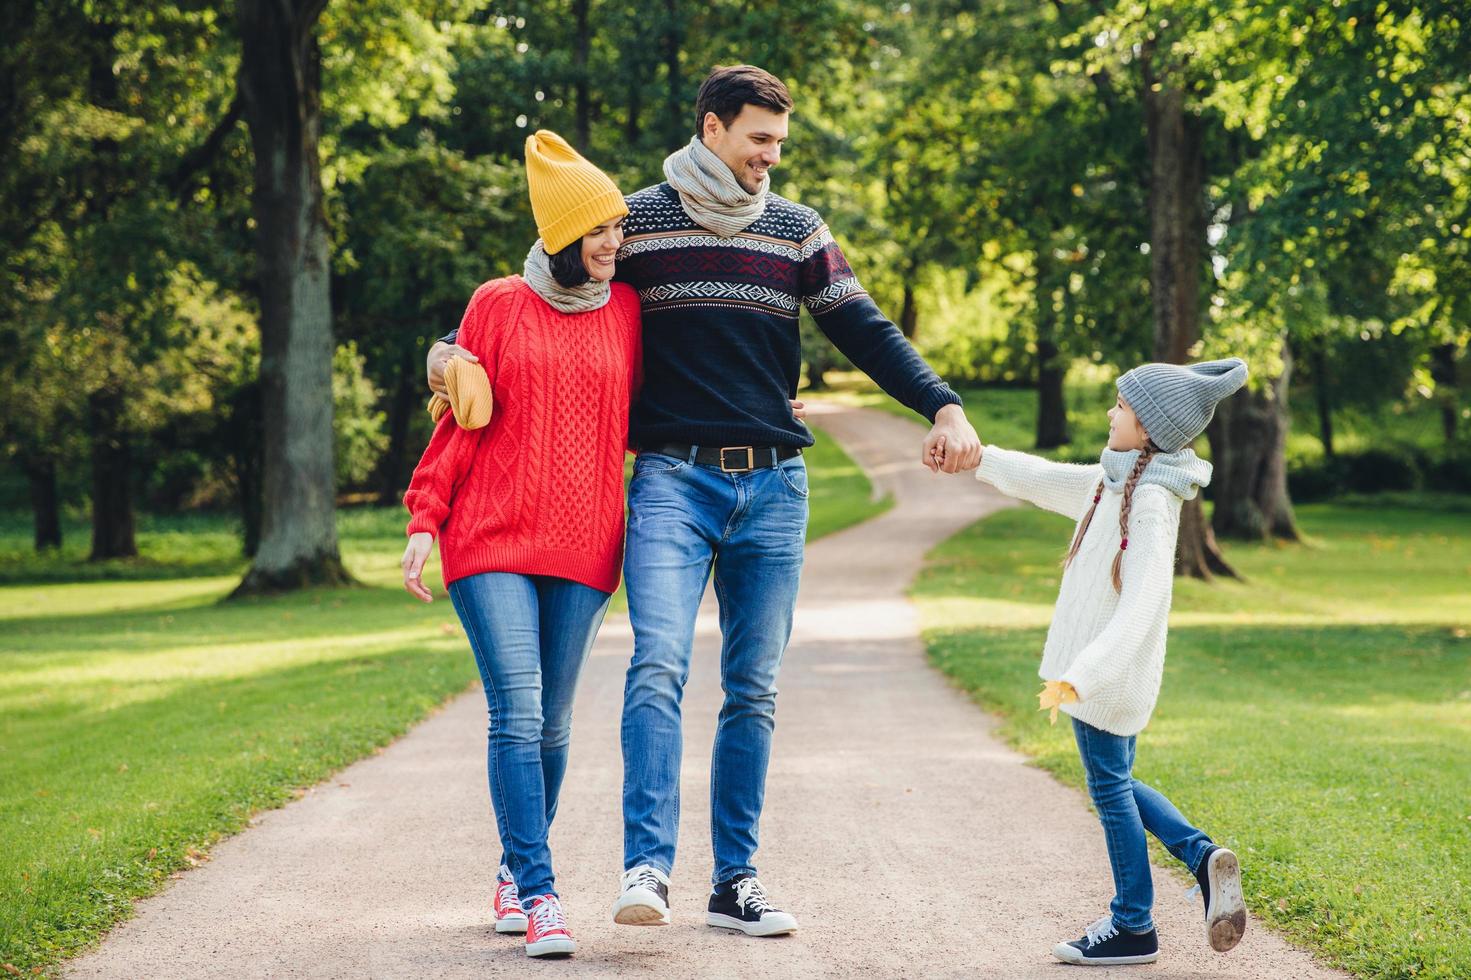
[(1063, 488)]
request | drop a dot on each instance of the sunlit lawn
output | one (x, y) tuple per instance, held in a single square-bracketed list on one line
[(1316, 718), (141, 719)]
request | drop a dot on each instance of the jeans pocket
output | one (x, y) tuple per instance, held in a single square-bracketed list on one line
[(657, 463), (795, 477)]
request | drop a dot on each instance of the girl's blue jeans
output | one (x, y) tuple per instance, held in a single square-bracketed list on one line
[(530, 635), (1127, 808)]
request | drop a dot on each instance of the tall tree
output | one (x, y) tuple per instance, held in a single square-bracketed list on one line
[(280, 87)]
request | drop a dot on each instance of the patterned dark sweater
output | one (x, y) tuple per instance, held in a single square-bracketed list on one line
[(722, 352)]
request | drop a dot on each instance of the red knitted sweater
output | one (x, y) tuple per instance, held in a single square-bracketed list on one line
[(538, 491)]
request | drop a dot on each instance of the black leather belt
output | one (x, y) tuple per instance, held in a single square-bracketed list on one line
[(731, 459)]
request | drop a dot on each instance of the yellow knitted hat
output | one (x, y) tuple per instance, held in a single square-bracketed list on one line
[(569, 196)]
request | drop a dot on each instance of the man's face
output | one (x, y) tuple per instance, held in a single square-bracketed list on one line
[(750, 145)]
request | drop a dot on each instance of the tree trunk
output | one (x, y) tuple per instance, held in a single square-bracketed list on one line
[(280, 85), (112, 464), (243, 442), (583, 110), (1443, 373), (1052, 423), (1177, 218), (394, 469), (45, 500), (1249, 439), (909, 312), (1325, 400)]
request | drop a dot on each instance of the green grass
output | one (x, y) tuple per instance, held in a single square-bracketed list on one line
[(141, 719), (1316, 718)]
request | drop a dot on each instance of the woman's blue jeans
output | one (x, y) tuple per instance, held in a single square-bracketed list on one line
[(1126, 808), (530, 635)]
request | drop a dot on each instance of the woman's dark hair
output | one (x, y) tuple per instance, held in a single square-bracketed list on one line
[(567, 267), (730, 89)]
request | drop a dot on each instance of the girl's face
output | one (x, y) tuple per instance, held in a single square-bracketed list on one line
[(600, 247), (1125, 434)]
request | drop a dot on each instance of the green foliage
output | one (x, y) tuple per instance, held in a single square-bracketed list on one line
[(1313, 719), (357, 425)]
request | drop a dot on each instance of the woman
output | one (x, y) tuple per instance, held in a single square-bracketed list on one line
[(528, 509)]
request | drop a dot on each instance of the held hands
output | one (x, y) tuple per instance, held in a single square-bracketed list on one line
[(952, 445), (1055, 693), (415, 555), (439, 357)]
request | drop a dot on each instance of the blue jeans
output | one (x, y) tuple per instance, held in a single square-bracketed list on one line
[(530, 635), (685, 518), (1126, 808)]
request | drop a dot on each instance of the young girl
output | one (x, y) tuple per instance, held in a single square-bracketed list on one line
[(1105, 649)]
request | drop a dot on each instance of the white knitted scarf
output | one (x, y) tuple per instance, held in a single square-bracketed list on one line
[(710, 193), (1181, 473), (591, 295)]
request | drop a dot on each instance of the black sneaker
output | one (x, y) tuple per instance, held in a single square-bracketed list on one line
[(740, 903), (644, 898), (1219, 876), (1103, 944)]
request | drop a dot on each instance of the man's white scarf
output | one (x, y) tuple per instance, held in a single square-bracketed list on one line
[(710, 193)]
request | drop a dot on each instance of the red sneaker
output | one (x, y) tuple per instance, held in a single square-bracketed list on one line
[(509, 915), (547, 934)]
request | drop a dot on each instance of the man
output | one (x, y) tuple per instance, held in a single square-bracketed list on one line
[(721, 265)]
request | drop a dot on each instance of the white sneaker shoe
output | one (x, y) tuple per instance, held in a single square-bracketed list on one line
[(644, 900)]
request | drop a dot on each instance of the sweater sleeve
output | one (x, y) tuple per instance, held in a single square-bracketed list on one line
[(446, 461), (1148, 573), (1063, 488), (451, 450), (853, 322)]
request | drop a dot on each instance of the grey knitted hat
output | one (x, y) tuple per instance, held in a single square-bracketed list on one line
[(1175, 402)]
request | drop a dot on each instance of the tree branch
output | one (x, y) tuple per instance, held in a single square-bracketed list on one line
[(182, 179)]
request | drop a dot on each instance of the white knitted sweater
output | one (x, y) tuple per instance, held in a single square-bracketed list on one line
[(1109, 646)]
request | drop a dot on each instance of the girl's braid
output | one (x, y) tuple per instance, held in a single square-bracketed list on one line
[(1118, 560)]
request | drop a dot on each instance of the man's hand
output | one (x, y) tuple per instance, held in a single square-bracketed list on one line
[(952, 445), (415, 555), (439, 356)]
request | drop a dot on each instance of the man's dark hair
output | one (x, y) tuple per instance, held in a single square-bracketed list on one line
[(730, 89), (567, 267)]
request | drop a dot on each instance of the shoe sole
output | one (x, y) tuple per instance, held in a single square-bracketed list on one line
[(1078, 959), (780, 927), (1225, 920), (551, 947), (511, 924), (639, 913)]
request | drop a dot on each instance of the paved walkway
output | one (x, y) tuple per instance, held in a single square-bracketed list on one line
[(906, 837)]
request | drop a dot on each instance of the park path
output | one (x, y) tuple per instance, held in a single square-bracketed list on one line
[(907, 838)]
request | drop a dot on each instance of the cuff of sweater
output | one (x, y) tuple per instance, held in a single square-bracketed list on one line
[(421, 524), (993, 462), (936, 398)]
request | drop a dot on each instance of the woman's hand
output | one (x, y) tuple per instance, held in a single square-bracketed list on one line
[(799, 411), (420, 544), (439, 356)]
